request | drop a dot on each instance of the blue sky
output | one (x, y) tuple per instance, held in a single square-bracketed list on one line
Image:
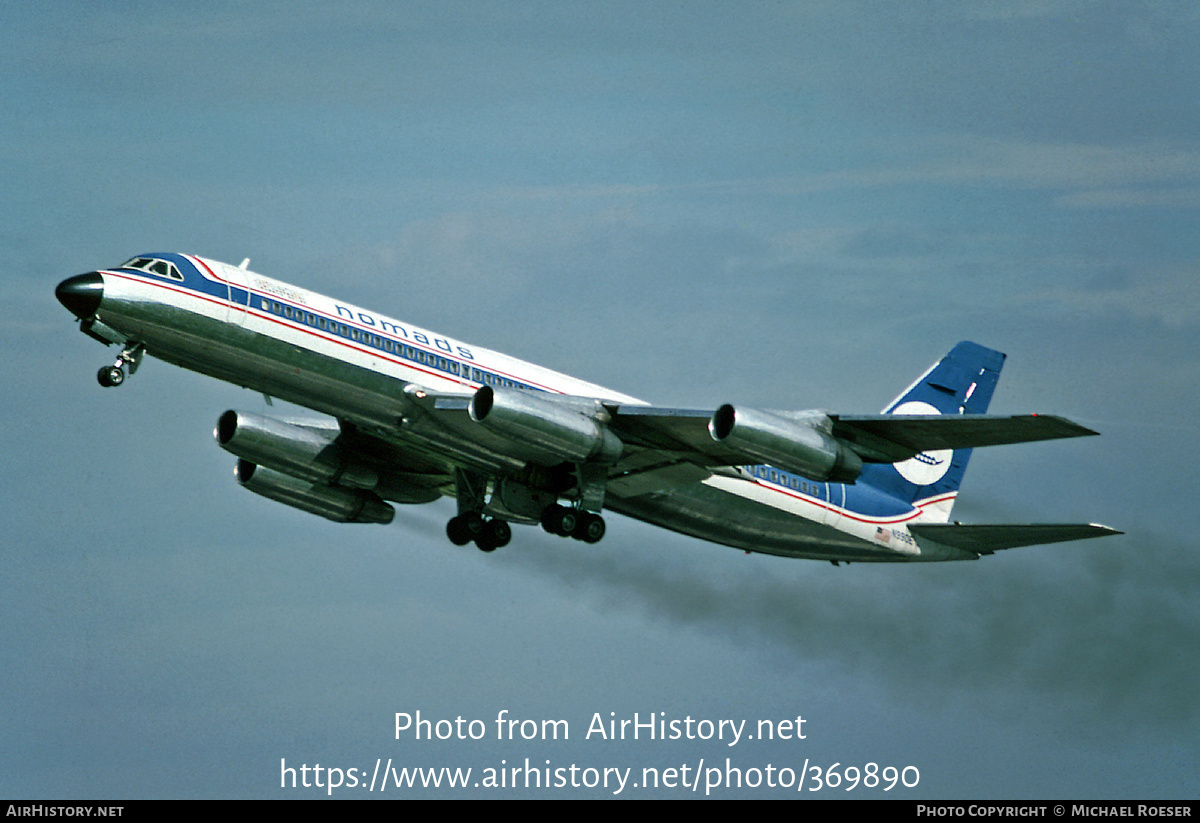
[(786, 205)]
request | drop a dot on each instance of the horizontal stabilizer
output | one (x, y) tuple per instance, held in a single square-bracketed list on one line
[(985, 539), (889, 438)]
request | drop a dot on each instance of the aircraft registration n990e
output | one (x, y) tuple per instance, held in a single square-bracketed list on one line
[(414, 415)]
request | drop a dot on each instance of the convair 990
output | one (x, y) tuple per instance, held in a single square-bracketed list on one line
[(413, 415)]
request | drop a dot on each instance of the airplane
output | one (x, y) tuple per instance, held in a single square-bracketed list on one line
[(413, 416)]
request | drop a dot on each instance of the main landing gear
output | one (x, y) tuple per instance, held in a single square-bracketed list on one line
[(491, 534), (567, 522), (114, 375), (471, 490), (488, 535)]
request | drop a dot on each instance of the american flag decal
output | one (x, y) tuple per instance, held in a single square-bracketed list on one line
[(882, 534)]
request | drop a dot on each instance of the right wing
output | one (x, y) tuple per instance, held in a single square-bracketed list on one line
[(986, 539)]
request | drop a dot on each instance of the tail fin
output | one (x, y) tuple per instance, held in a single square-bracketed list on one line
[(962, 382)]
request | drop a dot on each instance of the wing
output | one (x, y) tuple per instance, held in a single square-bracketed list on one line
[(890, 438), (874, 438), (648, 448), (986, 539)]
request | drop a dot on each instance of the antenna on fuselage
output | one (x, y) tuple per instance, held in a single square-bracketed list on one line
[(245, 263)]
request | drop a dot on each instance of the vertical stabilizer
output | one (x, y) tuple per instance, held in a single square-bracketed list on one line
[(962, 382)]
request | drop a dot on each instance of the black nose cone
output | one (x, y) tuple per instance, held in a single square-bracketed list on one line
[(81, 294)]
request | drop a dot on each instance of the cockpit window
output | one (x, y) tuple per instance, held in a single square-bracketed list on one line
[(152, 265)]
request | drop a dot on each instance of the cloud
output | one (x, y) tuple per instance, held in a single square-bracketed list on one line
[(1027, 164), (1187, 197), (1149, 173), (1102, 628), (1160, 293), (1023, 9)]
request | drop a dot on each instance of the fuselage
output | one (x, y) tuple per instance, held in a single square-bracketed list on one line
[(364, 369)]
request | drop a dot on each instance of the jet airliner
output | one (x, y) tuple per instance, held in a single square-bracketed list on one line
[(412, 416)]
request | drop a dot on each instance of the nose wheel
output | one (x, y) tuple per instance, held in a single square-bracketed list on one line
[(109, 376), (114, 375)]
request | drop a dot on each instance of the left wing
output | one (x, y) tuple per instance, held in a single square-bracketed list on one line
[(647, 447), (889, 438), (882, 438), (730, 436)]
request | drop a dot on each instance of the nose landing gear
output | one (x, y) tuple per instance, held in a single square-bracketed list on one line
[(114, 375), (110, 376)]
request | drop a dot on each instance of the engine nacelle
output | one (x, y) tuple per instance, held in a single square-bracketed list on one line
[(304, 453), (802, 444), (332, 502), (554, 428)]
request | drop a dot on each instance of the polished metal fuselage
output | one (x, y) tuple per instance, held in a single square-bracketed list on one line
[(228, 330)]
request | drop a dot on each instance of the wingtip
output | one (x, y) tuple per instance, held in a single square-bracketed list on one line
[(1070, 427)]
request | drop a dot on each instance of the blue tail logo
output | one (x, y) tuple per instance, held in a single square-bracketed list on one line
[(962, 382)]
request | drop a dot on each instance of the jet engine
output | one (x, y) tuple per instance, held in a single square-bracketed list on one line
[(332, 502), (303, 452), (800, 442), (306, 467), (555, 429)]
